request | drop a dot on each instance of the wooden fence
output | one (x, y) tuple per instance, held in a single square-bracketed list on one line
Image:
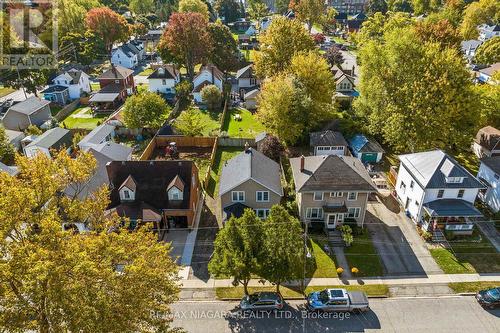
[(160, 141), (236, 142), (66, 111)]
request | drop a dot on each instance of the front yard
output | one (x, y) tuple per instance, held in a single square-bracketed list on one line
[(247, 127), (363, 255), (321, 264), (82, 118), (472, 256)]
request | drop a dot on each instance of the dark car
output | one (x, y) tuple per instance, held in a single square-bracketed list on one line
[(262, 301), (489, 298)]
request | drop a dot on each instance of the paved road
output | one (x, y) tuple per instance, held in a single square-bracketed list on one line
[(457, 314)]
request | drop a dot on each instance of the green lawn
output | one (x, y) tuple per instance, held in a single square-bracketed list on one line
[(222, 154), (362, 255), (4, 91), (472, 287), (322, 264), (211, 121), (292, 292), (147, 72), (54, 110), (471, 256), (87, 123), (247, 127)]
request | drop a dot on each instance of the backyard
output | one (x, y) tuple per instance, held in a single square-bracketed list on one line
[(474, 254), (82, 118), (199, 155), (247, 127), (211, 122)]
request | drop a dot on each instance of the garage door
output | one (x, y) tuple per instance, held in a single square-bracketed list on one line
[(369, 157)]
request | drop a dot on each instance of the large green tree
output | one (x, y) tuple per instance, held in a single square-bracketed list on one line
[(190, 123), (145, 110), (194, 6), (52, 280), (225, 53), (310, 12), (87, 47), (231, 10), (7, 151), (479, 12), (489, 52), (279, 43), (142, 6)]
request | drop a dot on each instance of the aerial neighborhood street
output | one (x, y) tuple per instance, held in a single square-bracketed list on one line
[(250, 166)]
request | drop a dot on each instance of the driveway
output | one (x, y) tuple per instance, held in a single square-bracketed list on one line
[(402, 251), (489, 230)]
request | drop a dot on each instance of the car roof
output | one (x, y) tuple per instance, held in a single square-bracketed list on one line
[(268, 295)]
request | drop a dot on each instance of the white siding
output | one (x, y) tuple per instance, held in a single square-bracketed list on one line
[(414, 195), (470, 194), (492, 196), (120, 58), (33, 150), (157, 86)]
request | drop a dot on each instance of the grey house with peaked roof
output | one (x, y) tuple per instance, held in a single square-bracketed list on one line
[(437, 192), (249, 180), (32, 111), (331, 189), (53, 139)]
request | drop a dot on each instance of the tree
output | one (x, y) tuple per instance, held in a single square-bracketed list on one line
[(142, 6), (145, 110), (281, 6), (309, 11), (489, 52), (272, 147), (279, 43), (476, 13), (282, 243), (231, 10), (32, 130), (87, 45), (238, 249), (194, 6), (71, 17), (328, 23), (375, 6), (257, 10), (190, 123), (225, 53), (32, 81), (108, 25), (488, 95), (333, 56), (211, 96), (187, 40), (53, 280), (7, 151), (416, 95), (183, 90), (319, 38), (399, 6), (441, 31)]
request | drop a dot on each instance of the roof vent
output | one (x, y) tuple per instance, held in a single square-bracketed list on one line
[(151, 162)]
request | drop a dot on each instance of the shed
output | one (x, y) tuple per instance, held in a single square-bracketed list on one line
[(366, 149)]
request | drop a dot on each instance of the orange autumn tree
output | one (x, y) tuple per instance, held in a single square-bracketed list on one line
[(108, 25)]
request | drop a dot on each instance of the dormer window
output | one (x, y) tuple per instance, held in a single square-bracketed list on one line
[(174, 194), (175, 189), (127, 189)]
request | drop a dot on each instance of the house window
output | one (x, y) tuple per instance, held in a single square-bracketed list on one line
[(351, 196), (338, 148), (336, 194), (323, 148), (262, 213), (460, 193), (496, 176), (238, 196), (314, 213), (403, 187), (454, 179), (440, 193), (253, 81), (164, 82), (126, 194), (318, 196), (262, 196), (174, 194), (353, 212), (412, 183)]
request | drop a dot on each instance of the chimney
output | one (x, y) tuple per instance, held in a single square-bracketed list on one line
[(302, 163)]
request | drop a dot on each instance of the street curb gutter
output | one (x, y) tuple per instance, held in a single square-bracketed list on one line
[(467, 294), (294, 298)]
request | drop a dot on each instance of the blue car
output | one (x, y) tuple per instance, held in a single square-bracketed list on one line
[(338, 300)]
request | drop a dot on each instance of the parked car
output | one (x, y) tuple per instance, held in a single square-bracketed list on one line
[(338, 300), (262, 301), (489, 298)]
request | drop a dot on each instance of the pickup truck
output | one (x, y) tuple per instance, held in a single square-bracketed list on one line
[(338, 300)]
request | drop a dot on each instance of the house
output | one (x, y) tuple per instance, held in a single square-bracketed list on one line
[(487, 142), (331, 189), (57, 94), (116, 84), (165, 193), (32, 111), (207, 75), (250, 99), (489, 174), (348, 8), (341, 17), (489, 31), (249, 180), (437, 192), (15, 137), (128, 55), (100, 134), (77, 82), (344, 86), (52, 139), (485, 75), (469, 47), (164, 79), (328, 143), (120, 76), (246, 77), (366, 149)]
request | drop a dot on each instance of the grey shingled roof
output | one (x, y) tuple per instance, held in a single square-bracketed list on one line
[(493, 163), (98, 134), (327, 138), (244, 71), (53, 138), (250, 165), (29, 105), (430, 169), (116, 72), (114, 151), (331, 173)]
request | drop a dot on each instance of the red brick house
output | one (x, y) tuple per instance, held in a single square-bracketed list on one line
[(116, 84)]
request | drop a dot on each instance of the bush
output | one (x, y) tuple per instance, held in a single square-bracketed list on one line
[(211, 96), (348, 239), (354, 270), (340, 270)]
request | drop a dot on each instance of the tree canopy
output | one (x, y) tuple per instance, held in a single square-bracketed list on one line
[(108, 25), (225, 53), (489, 52), (212, 97), (194, 6), (7, 151), (310, 12), (145, 110), (479, 12), (190, 123)]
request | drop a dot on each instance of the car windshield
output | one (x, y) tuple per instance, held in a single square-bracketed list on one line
[(253, 298), (493, 294), (323, 296)]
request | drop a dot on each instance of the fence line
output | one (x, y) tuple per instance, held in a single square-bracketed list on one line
[(236, 142), (212, 161), (66, 111)]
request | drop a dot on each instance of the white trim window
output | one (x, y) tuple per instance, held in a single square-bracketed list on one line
[(352, 196), (238, 196), (314, 213), (336, 194), (262, 196), (353, 212), (318, 196), (323, 148), (126, 194), (262, 213)]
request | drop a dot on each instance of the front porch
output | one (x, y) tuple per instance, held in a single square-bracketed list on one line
[(452, 215)]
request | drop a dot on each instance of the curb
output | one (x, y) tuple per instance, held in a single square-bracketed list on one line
[(293, 298), (466, 294)]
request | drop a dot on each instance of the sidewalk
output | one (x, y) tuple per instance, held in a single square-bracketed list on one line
[(431, 279)]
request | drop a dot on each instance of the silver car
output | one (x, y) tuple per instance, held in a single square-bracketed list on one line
[(262, 301)]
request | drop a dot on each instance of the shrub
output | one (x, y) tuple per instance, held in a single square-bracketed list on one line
[(211, 96), (348, 239), (340, 270), (354, 270)]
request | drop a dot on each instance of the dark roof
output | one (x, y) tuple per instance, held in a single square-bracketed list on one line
[(165, 72), (116, 72), (236, 210), (138, 211), (202, 85), (75, 75), (54, 88), (166, 129), (327, 138), (29, 105), (176, 182), (152, 179), (493, 163), (335, 209), (451, 207), (341, 16), (488, 137), (331, 173), (111, 88), (354, 24), (363, 144), (359, 16), (245, 72)]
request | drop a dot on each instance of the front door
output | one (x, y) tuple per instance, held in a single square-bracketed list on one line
[(331, 221)]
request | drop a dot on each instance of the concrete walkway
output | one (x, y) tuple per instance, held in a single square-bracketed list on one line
[(489, 230), (342, 261)]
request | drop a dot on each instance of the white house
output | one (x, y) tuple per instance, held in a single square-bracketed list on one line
[(208, 74), (164, 79), (485, 74), (100, 134), (246, 77), (53, 139), (489, 31), (128, 55), (77, 81), (437, 192), (489, 174)]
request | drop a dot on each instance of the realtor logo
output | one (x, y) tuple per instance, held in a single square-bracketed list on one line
[(28, 34)]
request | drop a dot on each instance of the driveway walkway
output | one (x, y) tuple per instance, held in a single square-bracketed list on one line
[(401, 249), (489, 230), (342, 261)]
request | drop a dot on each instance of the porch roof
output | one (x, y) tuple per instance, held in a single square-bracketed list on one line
[(451, 208), (335, 209)]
